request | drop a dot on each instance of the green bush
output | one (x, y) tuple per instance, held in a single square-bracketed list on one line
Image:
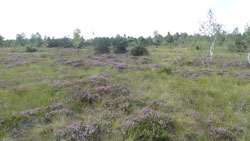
[(235, 42), (101, 45), (30, 49), (148, 124), (120, 44), (168, 71), (236, 46), (139, 50)]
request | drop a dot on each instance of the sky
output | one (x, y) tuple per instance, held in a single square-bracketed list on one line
[(57, 18)]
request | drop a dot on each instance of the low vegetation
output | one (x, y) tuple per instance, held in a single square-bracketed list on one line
[(30, 49), (171, 94), (139, 50)]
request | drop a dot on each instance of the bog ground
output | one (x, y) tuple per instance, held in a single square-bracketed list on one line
[(171, 94)]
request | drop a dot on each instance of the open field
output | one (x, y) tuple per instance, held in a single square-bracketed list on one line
[(172, 94)]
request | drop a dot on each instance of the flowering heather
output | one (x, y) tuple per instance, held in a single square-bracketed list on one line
[(14, 60), (159, 104), (50, 110), (18, 88), (121, 66), (175, 93), (115, 89), (125, 103), (30, 112), (156, 66), (103, 89), (45, 55), (110, 57), (56, 112), (79, 131), (82, 95), (97, 80), (144, 60), (245, 76), (119, 89), (54, 106), (18, 63), (148, 124), (221, 133), (73, 63)]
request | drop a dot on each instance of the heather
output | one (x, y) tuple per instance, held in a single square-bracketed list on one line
[(171, 94)]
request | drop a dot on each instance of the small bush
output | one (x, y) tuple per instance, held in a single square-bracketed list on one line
[(148, 124), (30, 49), (120, 44), (102, 45), (79, 131), (235, 43), (168, 71), (139, 50), (198, 47), (239, 47)]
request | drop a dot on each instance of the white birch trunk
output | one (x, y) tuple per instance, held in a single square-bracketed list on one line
[(212, 48), (249, 57)]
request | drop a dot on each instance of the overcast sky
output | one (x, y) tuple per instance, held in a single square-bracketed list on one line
[(110, 17)]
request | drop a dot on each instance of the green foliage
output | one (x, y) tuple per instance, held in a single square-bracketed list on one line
[(157, 40), (1, 41), (36, 40), (144, 41), (235, 42), (169, 38), (210, 27), (168, 71), (31, 49), (77, 41), (102, 45), (120, 44), (221, 38), (139, 50), (21, 39), (246, 35), (64, 42), (197, 47)]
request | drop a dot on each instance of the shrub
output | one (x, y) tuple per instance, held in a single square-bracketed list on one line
[(237, 46), (30, 49), (168, 71), (79, 131), (198, 47), (65, 42), (101, 45), (139, 50), (77, 41), (148, 124), (236, 43), (120, 44), (1, 40)]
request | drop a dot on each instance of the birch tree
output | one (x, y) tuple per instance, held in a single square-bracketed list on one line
[(249, 58), (211, 28)]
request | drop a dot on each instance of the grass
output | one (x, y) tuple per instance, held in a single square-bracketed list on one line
[(198, 104)]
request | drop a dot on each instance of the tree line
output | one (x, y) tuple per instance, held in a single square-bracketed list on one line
[(211, 34), (235, 40)]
